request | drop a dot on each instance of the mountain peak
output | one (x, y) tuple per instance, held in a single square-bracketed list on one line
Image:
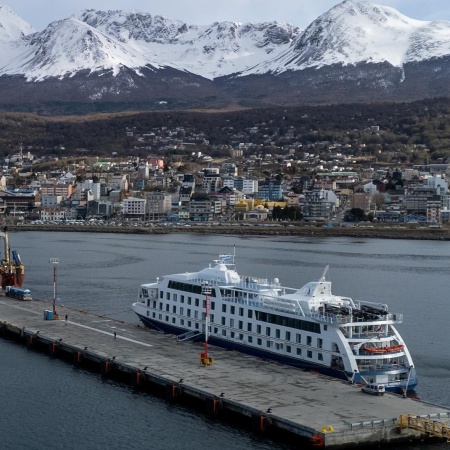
[(12, 27)]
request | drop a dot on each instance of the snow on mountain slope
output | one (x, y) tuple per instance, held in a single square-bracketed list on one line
[(97, 41), (362, 32), (210, 51), (12, 27), (69, 46)]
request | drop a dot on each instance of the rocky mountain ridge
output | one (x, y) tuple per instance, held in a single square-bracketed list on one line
[(355, 52)]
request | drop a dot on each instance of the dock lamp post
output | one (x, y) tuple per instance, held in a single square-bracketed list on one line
[(206, 291), (54, 262)]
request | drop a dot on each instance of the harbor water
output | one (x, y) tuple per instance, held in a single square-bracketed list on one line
[(48, 404)]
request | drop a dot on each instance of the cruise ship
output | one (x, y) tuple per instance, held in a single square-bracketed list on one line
[(309, 328)]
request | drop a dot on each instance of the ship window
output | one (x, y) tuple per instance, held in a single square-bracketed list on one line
[(196, 326), (258, 329), (212, 318), (213, 306), (189, 312), (231, 322), (325, 327), (224, 332), (197, 303), (308, 340), (320, 356), (269, 344), (174, 309), (154, 304), (160, 316), (148, 313), (224, 308), (195, 314), (216, 330), (175, 297), (309, 354), (167, 295), (267, 331), (182, 298), (279, 346), (232, 309), (299, 351), (259, 341), (249, 327), (173, 319), (154, 315), (232, 335), (241, 337), (189, 300), (181, 321), (160, 305), (288, 335), (181, 310), (161, 294), (223, 321), (319, 343), (250, 339), (288, 348), (167, 308), (167, 318), (250, 313), (277, 333), (241, 311), (189, 324), (241, 325), (298, 338), (148, 303)]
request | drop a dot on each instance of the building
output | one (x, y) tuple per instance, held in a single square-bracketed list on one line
[(134, 207), (270, 190), (319, 205), (158, 206)]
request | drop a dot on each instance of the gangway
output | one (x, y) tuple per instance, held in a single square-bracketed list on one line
[(188, 335), (430, 425)]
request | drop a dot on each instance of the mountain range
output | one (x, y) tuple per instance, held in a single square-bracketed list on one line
[(112, 60)]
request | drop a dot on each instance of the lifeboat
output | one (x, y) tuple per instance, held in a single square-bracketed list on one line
[(378, 350)]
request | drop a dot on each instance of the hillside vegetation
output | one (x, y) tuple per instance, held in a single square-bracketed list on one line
[(424, 124)]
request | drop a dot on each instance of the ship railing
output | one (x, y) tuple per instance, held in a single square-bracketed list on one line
[(381, 367), (370, 335), (329, 318)]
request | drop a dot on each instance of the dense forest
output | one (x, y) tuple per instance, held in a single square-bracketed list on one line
[(425, 124)]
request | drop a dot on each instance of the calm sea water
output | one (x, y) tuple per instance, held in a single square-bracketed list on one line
[(47, 404)]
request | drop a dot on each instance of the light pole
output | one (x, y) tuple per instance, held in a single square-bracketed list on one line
[(55, 262), (206, 291)]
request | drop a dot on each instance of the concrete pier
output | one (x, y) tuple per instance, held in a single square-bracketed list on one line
[(274, 398)]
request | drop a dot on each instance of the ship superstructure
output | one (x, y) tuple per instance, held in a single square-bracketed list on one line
[(308, 327)]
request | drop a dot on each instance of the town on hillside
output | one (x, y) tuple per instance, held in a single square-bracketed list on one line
[(325, 182)]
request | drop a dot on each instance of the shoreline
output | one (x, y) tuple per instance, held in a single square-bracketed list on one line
[(442, 234)]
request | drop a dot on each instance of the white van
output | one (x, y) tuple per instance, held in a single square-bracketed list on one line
[(374, 389)]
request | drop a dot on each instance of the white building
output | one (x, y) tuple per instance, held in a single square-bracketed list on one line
[(134, 207)]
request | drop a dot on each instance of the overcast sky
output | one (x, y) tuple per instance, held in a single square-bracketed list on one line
[(39, 13)]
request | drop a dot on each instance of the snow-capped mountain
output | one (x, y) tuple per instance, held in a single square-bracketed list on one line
[(12, 27), (361, 32), (357, 51), (210, 51)]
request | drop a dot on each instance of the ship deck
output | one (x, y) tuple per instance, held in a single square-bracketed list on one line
[(301, 403)]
